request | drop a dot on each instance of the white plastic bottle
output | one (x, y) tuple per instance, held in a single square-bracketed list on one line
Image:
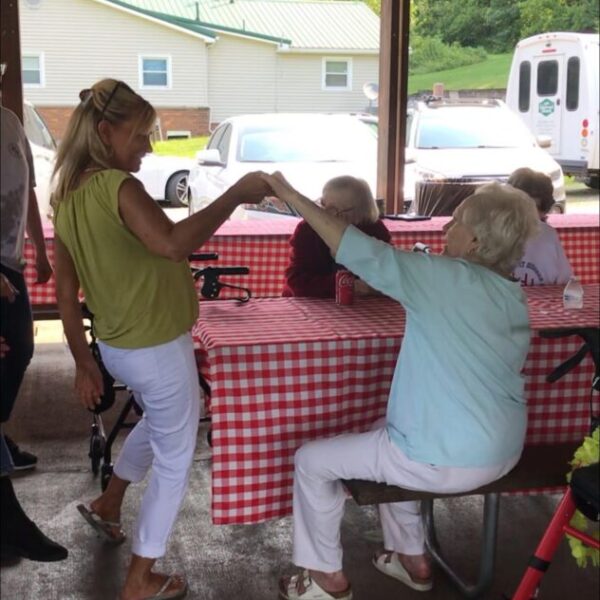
[(573, 294)]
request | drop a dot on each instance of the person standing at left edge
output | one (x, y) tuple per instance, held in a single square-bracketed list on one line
[(20, 536)]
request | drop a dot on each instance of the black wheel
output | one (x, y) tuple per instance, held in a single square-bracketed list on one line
[(593, 181), (97, 443), (107, 471), (177, 189)]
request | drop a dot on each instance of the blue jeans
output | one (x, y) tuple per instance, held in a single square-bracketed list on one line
[(16, 327)]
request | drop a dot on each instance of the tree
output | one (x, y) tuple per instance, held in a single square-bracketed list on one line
[(497, 25)]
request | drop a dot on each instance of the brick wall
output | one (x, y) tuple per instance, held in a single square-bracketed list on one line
[(195, 120)]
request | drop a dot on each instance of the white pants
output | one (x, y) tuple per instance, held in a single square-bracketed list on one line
[(319, 496), (164, 379)]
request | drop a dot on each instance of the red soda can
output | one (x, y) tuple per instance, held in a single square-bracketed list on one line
[(344, 288)]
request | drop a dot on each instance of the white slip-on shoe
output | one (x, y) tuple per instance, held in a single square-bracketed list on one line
[(289, 589), (389, 564)]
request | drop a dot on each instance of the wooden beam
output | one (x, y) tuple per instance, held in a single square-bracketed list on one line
[(10, 53), (393, 86)]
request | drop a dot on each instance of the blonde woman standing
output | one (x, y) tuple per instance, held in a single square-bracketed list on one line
[(114, 242)]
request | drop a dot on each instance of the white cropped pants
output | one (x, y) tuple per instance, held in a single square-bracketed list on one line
[(319, 496), (164, 379)]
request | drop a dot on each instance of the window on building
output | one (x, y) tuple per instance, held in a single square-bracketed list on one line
[(524, 85), (155, 72), (32, 69), (573, 83), (337, 74)]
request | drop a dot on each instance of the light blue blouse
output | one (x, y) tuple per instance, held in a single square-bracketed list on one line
[(457, 396)]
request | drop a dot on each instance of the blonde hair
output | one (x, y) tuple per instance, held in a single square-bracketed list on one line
[(537, 185), (502, 219), (110, 100), (363, 209)]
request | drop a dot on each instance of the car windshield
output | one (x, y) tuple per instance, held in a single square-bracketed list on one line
[(307, 140), (35, 128), (470, 128)]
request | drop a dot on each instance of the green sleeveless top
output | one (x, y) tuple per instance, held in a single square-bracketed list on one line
[(138, 298)]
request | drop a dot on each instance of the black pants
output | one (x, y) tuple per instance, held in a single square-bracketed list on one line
[(16, 327)]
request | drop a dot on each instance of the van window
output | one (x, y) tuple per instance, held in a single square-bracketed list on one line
[(547, 78), (524, 85), (573, 83)]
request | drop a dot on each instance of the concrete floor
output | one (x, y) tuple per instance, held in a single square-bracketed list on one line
[(228, 562)]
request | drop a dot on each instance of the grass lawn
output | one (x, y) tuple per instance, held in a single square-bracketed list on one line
[(184, 147), (491, 73)]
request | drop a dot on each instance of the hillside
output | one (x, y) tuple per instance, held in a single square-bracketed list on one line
[(492, 73)]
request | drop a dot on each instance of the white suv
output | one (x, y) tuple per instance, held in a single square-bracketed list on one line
[(473, 141), (308, 148)]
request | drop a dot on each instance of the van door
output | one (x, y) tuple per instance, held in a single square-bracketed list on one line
[(547, 104)]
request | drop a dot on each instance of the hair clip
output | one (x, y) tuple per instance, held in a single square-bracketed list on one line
[(85, 95)]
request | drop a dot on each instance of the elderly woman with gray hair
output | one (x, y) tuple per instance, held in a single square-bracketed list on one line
[(456, 415), (311, 270)]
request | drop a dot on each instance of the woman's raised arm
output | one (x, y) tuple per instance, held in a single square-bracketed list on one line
[(329, 227), (176, 241)]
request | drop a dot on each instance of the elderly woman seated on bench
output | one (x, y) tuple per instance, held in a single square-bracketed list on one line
[(456, 415)]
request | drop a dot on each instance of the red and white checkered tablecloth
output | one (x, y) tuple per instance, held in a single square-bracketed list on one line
[(287, 370), (263, 247)]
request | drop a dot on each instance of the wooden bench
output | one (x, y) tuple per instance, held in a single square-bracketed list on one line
[(543, 466)]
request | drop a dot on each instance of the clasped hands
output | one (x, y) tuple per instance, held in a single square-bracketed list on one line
[(254, 187)]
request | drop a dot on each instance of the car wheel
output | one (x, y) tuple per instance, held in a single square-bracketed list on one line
[(593, 181), (176, 191)]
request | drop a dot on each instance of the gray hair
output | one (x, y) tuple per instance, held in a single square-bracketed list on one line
[(537, 185), (364, 209), (502, 219)]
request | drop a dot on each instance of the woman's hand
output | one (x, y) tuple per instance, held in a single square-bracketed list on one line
[(250, 189), (281, 186), (43, 268), (88, 383), (7, 289)]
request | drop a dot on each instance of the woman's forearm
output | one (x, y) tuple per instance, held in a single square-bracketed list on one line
[(70, 314), (34, 225), (329, 227), (191, 233)]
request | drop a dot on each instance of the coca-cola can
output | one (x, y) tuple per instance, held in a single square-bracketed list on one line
[(344, 288)]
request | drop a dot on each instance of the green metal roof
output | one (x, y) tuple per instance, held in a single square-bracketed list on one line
[(300, 24)]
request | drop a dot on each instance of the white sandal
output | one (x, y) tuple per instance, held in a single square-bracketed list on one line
[(389, 564), (289, 589)]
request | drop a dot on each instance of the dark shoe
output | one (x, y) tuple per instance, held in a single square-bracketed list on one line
[(21, 537), (22, 460), (31, 543)]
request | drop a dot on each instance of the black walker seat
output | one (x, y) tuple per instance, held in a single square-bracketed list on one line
[(100, 447), (540, 466)]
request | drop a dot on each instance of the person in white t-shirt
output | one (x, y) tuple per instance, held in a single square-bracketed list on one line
[(544, 261)]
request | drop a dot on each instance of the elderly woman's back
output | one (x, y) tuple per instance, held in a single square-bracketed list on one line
[(456, 415)]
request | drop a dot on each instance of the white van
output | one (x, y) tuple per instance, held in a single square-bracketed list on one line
[(553, 86)]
